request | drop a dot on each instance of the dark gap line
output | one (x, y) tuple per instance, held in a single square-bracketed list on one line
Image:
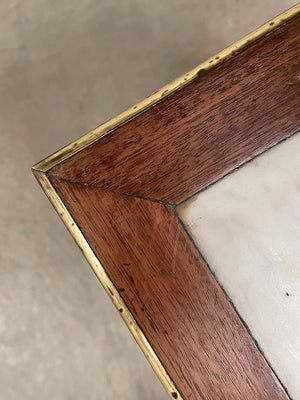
[(231, 303)]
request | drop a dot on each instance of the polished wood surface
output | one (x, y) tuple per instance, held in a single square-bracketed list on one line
[(203, 131), (121, 190), (171, 293)]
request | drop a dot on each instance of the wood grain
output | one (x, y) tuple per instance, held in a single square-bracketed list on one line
[(171, 293), (121, 191), (203, 131)]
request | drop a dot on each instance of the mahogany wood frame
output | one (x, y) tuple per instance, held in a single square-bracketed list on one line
[(117, 189)]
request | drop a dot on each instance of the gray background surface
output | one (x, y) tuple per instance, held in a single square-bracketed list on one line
[(65, 67)]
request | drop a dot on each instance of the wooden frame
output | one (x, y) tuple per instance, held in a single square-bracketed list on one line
[(117, 189)]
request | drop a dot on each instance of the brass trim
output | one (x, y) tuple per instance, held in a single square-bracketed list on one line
[(107, 284), (109, 126), (40, 169)]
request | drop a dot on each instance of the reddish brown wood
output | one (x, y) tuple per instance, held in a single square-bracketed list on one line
[(168, 288), (203, 131), (164, 155)]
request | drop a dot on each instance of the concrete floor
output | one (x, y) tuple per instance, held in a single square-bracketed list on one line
[(65, 67)]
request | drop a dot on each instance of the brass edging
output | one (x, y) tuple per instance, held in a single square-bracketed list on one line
[(40, 169), (102, 130), (107, 284)]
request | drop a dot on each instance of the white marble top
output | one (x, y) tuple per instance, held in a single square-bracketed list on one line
[(247, 227)]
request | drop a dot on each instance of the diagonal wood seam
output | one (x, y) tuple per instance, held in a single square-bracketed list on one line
[(51, 174), (42, 172), (144, 179), (107, 284), (173, 208), (166, 203)]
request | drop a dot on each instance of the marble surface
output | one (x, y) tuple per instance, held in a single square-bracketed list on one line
[(65, 67), (247, 227)]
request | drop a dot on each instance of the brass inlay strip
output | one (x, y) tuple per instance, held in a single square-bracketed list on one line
[(107, 284), (166, 90), (45, 165)]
